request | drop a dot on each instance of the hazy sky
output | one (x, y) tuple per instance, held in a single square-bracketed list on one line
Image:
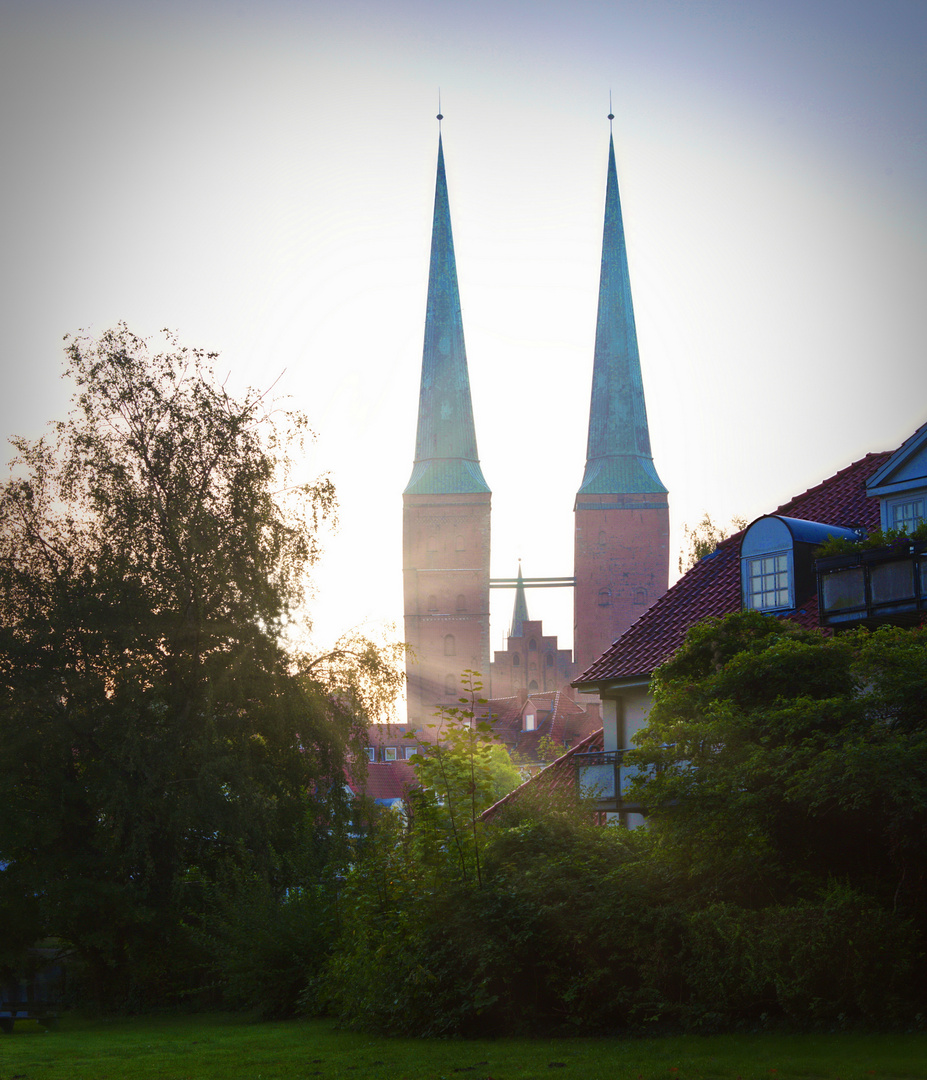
[(260, 177)]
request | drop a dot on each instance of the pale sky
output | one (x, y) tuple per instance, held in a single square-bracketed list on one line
[(260, 177)]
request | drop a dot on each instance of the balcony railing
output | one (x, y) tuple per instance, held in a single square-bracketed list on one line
[(878, 585), (604, 777)]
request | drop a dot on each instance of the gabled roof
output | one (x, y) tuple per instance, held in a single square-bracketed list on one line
[(906, 468), (385, 782), (559, 718), (712, 587), (558, 776)]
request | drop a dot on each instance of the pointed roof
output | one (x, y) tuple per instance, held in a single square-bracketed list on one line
[(618, 458), (904, 470), (520, 611), (446, 460)]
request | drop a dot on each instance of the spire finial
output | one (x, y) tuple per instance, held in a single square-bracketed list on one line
[(440, 115), (611, 115)]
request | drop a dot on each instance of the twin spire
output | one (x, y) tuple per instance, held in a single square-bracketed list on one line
[(446, 461), (618, 456)]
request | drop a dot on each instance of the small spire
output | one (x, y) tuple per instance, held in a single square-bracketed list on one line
[(520, 611)]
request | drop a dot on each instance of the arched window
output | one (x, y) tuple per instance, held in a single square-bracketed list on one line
[(450, 648), (449, 687), (532, 645), (461, 602), (549, 660), (602, 537), (605, 597), (640, 597), (532, 687), (516, 660), (432, 603)]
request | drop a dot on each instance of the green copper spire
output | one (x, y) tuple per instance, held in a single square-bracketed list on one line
[(446, 461), (618, 459), (520, 613)]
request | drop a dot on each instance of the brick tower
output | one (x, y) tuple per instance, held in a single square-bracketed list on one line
[(621, 539), (445, 523)]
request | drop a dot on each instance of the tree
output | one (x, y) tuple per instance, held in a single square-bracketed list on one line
[(157, 737), (461, 773), (781, 759), (703, 539)]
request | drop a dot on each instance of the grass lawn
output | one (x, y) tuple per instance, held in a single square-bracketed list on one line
[(231, 1048)]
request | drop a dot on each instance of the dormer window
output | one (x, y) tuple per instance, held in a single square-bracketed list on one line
[(777, 561), (531, 720), (766, 566)]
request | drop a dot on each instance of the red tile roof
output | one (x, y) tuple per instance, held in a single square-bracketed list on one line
[(558, 775), (712, 586), (559, 718), (384, 780)]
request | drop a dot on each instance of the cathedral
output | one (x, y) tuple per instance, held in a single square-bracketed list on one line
[(621, 513)]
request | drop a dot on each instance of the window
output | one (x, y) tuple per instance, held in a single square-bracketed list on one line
[(549, 660), (389, 753), (905, 514), (777, 559), (533, 687), (767, 584), (450, 646), (450, 687), (371, 753), (408, 751), (531, 721), (516, 660), (605, 597), (532, 646), (640, 597), (461, 602), (766, 563), (432, 603)]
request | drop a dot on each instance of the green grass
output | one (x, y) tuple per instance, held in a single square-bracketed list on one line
[(231, 1048)]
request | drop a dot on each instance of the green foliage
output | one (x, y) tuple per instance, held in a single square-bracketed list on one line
[(461, 771), (840, 956), (781, 878), (158, 741), (784, 758), (703, 539), (839, 545)]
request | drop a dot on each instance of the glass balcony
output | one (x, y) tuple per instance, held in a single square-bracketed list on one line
[(603, 777), (878, 585)]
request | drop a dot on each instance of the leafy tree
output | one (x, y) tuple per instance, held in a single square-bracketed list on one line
[(784, 758), (703, 538), (157, 737), (461, 773)]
